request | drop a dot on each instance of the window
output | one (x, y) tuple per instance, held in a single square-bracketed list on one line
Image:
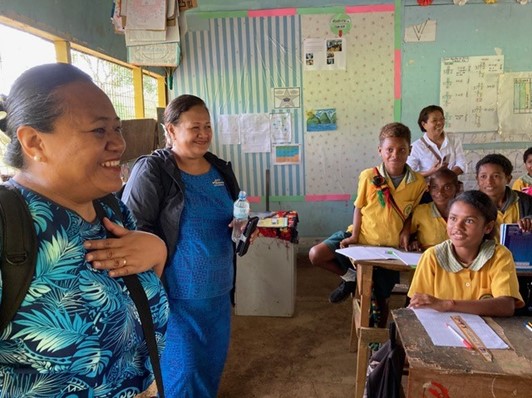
[(19, 53), (115, 80)]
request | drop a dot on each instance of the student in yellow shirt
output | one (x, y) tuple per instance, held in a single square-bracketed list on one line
[(386, 196), (525, 181), (494, 173), (429, 220), (469, 272)]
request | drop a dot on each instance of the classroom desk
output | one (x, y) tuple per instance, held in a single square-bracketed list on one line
[(457, 372), (361, 332)]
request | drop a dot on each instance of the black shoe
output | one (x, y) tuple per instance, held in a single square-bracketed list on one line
[(341, 292)]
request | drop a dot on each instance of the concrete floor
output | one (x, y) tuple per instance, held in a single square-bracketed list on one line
[(303, 356)]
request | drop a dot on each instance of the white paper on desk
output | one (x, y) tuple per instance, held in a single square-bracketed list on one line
[(367, 253), (435, 322), (360, 252), (409, 258)]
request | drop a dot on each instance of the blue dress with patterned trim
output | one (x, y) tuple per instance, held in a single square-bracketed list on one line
[(77, 332), (199, 278)]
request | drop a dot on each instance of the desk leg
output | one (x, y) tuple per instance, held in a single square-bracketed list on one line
[(366, 336), (361, 303), (361, 314)]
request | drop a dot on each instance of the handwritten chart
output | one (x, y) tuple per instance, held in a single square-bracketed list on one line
[(515, 103), (468, 92)]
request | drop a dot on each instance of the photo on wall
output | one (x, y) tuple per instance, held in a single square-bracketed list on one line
[(321, 120)]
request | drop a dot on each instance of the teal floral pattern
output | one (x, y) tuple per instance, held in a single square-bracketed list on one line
[(77, 332)]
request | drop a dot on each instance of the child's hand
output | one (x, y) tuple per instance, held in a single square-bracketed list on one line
[(404, 239), (347, 242), (525, 224), (414, 246), (422, 300), (131, 252)]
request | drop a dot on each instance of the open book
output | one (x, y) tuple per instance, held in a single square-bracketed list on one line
[(360, 252), (519, 243)]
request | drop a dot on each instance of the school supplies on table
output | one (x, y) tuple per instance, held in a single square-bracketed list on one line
[(519, 243), (435, 322), (360, 252), (464, 341), (472, 337)]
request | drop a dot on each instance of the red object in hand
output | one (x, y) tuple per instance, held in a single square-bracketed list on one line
[(424, 2)]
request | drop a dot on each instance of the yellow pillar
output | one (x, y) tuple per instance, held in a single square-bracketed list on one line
[(161, 92), (139, 92), (62, 51)]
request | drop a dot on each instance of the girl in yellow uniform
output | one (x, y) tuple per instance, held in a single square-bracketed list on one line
[(429, 220), (470, 272)]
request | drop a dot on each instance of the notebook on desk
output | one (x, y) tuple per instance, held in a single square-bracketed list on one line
[(519, 243), (360, 252)]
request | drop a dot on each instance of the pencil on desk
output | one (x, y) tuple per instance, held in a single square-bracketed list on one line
[(462, 339)]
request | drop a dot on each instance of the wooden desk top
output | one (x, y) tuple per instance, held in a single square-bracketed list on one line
[(395, 265), (514, 364)]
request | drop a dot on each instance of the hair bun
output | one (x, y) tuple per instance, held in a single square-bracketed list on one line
[(3, 120), (3, 113)]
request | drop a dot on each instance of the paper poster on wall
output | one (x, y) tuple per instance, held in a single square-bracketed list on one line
[(321, 120), (146, 14), (255, 132), (325, 54), (425, 31), (229, 129), (514, 104), (468, 92), (286, 154), (161, 54), (281, 128), (289, 97)]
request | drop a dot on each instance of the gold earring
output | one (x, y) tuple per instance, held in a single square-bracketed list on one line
[(37, 158)]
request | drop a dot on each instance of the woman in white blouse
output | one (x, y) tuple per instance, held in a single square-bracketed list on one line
[(435, 149)]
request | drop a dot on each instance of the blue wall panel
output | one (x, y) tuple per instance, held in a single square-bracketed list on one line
[(233, 66)]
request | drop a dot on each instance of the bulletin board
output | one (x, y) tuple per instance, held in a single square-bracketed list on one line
[(361, 95)]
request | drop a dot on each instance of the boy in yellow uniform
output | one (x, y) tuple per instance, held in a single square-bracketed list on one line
[(429, 220), (494, 173), (386, 196), (470, 272), (525, 181)]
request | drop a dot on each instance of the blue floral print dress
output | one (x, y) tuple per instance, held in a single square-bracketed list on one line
[(77, 332)]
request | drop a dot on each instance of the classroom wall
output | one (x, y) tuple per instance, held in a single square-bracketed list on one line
[(474, 29), (234, 63)]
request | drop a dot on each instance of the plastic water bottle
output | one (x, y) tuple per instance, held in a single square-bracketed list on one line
[(240, 215)]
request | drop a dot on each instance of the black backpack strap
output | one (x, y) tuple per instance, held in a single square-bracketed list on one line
[(19, 252), (138, 295)]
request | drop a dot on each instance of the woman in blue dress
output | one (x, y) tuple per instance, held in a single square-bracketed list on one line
[(185, 194), (77, 332)]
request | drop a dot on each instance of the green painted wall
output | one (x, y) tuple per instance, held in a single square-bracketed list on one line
[(84, 22)]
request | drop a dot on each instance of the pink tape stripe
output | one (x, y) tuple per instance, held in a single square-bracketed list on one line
[(277, 12), (367, 9), (324, 198), (254, 199), (397, 77)]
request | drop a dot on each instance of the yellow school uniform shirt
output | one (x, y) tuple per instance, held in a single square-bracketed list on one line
[(428, 225), (381, 225), (524, 181), (492, 274), (509, 213)]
